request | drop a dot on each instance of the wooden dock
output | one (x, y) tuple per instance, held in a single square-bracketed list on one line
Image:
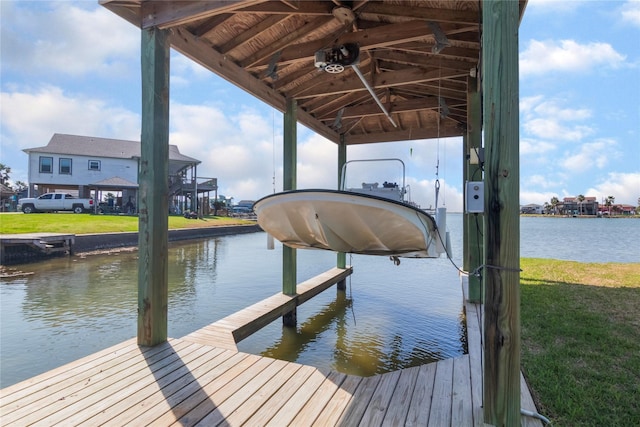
[(188, 382), (227, 332), (41, 243)]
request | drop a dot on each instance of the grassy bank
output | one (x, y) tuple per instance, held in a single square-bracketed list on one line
[(581, 341), (88, 224)]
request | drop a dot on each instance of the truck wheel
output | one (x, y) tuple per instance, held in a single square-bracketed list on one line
[(28, 209), (78, 209)]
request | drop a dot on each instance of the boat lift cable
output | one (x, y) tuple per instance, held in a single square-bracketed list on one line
[(273, 146), (353, 313), (439, 116)]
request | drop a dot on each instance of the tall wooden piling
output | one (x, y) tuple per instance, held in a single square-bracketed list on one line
[(290, 158), (342, 159), (153, 277), (500, 21), (473, 222)]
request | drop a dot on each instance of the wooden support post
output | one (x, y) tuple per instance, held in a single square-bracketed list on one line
[(153, 275), (290, 158), (500, 21), (342, 159), (474, 222)]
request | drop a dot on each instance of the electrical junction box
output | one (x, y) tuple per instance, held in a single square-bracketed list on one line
[(475, 197)]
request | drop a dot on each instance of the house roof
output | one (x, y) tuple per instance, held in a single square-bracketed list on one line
[(92, 146), (114, 181), (6, 191), (417, 57)]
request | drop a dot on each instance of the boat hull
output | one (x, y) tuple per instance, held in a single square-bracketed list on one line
[(349, 222)]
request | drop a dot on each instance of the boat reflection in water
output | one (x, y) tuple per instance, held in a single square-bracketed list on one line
[(365, 353)]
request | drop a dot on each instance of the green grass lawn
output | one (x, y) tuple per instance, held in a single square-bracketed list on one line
[(87, 223), (581, 341)]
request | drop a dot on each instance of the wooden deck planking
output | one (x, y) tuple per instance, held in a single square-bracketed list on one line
[(189, 383), (461, 403), (361, 399), (339, 402), (379, 403), (294, 405), (398, 408), (271, 399), (318, 402), (20, 395), (236, 394), (100, 394), (440, 414), (138, 388), (176, 400), (420, 405), (172, 389), (201, 401)]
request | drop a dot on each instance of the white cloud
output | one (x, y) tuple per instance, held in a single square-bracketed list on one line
[(537, 197), (529, 147), (541, 57), (548, 119), (630, 12), (597, 154), (542, 181), (30, 118), (625, 187), (66, 38), (552, 128)]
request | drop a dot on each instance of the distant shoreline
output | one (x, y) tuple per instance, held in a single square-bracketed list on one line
[(582, 216)]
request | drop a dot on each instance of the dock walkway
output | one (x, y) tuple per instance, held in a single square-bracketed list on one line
[(189, 383)]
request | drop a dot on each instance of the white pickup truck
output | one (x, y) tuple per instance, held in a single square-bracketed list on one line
[(51, 202)]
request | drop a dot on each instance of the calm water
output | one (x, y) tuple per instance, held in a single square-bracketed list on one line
[(390, 317)]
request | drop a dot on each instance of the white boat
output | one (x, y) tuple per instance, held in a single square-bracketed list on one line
[(371, 220)]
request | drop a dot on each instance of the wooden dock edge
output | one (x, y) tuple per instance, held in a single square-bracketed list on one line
[(229, 331), (473, 315)]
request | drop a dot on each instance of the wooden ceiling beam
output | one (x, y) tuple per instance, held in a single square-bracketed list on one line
[(167, 14), (451, 129), (425, 60), (383, 36), (452, 52), (322, 78), (204, 54), (251, 33), (301, 8), (267, 52), (388, 79), (372, 108), (130, 13), (337, 101), (209, 24), (291, 77), (428, 14)]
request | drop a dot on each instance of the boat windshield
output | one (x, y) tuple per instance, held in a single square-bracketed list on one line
[(359, 171)]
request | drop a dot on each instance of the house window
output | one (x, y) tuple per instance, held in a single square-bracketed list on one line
[(65, 166), (46, 164), (94, 165)]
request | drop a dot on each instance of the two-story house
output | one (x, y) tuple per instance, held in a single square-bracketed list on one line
[(573, 206), (90, 167)]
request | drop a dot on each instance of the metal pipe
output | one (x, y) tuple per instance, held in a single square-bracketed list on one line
[(370, 89)]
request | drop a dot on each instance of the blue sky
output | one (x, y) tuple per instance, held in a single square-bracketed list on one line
[(73, 67)]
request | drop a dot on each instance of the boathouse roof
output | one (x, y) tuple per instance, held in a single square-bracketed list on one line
[(415, 55)]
